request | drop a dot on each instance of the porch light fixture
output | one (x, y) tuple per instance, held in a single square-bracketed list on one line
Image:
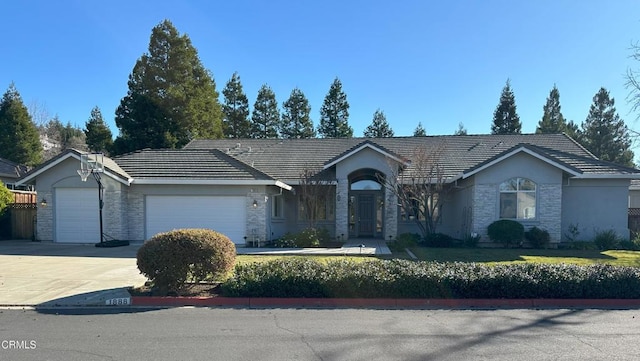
[(43, 202), (255, 204)]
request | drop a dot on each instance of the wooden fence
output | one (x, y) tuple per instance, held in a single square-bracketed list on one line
[(23, 215)]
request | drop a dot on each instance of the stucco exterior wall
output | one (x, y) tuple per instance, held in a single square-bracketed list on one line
[(594, 205)]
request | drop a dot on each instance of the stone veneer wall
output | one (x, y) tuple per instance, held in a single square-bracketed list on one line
[(342, 207), (256, 216), (44, 227), (135, 213), (390, 215), (548, 209), (114, 207), (485, 203)]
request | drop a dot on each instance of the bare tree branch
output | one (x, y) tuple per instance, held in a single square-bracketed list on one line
[(315, 192), (421, 187)]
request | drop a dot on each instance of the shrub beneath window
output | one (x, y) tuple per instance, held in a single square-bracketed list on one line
[(538, 238), (409, 279), (506, 231), (606, 240), (172, 259), (438, 240), (310, 237)]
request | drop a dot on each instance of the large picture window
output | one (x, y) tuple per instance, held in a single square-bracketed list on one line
[(518, 199)]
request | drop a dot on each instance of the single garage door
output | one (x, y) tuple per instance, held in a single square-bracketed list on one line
[(77, 215), (227, 215)]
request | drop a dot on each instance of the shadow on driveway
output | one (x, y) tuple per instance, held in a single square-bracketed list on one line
[(28, 248)]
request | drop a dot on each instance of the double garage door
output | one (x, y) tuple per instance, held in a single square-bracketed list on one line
[(227, 215), (77, 218)]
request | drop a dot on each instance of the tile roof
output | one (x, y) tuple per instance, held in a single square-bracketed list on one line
[(186, 164), (10, 169), (283, 159)]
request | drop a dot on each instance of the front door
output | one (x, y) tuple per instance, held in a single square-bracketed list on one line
[(366, 215)]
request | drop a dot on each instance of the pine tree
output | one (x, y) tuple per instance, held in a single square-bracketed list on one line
[(98, 134), (19, 138), (552, 121), (265, 119), (379, 127), (235, 109), (461, 130), (419, 131), (334, 114), (505, 117), (603, 132), (296, 120), (171, 99)]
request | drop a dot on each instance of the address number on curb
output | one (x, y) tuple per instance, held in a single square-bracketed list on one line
[(118, 301)]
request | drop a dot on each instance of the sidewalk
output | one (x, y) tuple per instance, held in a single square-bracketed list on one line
[(353, 247)]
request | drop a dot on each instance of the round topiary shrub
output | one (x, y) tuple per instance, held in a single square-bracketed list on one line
[(538, 238), (506, 231), (172, 259)]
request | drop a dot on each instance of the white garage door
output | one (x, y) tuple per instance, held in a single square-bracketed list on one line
[(77, 215), (227, 215)]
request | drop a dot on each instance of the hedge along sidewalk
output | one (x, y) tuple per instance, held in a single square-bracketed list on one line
[(382, 303)]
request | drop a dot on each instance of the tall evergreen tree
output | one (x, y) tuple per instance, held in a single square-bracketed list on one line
[(171, 99), (552, 121), (265, 119), (419, 131), (235, 109), (334, 114), (573, 130), (603, 132), (379, 127), (98, 134), (461, 130), (19, 138), (505, 117), (296, 120)]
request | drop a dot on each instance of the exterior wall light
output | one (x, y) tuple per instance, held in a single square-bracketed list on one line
[(43, 202), (255, 203)]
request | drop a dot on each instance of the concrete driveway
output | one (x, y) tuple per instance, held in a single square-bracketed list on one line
[(34, 273)]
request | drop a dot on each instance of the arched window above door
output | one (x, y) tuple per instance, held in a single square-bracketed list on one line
[(366, 185)]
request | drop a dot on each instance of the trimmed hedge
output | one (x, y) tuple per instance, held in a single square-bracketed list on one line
[(408, 279), (172, 258)]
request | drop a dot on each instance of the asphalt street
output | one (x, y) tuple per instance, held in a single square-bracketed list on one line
[(296, 334)]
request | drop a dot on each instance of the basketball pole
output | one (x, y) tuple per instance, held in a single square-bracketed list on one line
[(97, 177)]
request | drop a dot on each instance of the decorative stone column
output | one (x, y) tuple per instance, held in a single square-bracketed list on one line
[(342, 208), (44, 218), (256, 229), (390, 215)]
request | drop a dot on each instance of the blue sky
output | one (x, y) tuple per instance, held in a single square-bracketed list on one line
[(435, 62)]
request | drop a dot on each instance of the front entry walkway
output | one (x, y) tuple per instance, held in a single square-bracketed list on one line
[(353, 247)]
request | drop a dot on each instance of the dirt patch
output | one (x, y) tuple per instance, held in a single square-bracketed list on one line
[(190, 290)]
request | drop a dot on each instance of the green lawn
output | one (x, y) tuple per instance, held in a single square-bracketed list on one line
[(497, 255), (242, 259)]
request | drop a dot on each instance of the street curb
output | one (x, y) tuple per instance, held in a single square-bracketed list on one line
[(383, 303)]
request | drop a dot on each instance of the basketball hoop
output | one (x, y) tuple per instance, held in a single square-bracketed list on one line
[(84, 174)]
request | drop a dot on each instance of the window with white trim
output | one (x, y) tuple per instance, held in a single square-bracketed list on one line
[(518, 199)]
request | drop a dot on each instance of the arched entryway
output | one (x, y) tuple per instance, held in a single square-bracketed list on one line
[(366, 204)]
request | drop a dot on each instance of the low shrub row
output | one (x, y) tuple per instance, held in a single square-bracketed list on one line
[(310, 237), (408, 279)]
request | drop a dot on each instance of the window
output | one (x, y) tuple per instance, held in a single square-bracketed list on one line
[(324, 208), (277, 205), (518, 199)]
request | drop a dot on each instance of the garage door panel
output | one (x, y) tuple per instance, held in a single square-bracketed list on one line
[(226, 215), (77, 215)]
